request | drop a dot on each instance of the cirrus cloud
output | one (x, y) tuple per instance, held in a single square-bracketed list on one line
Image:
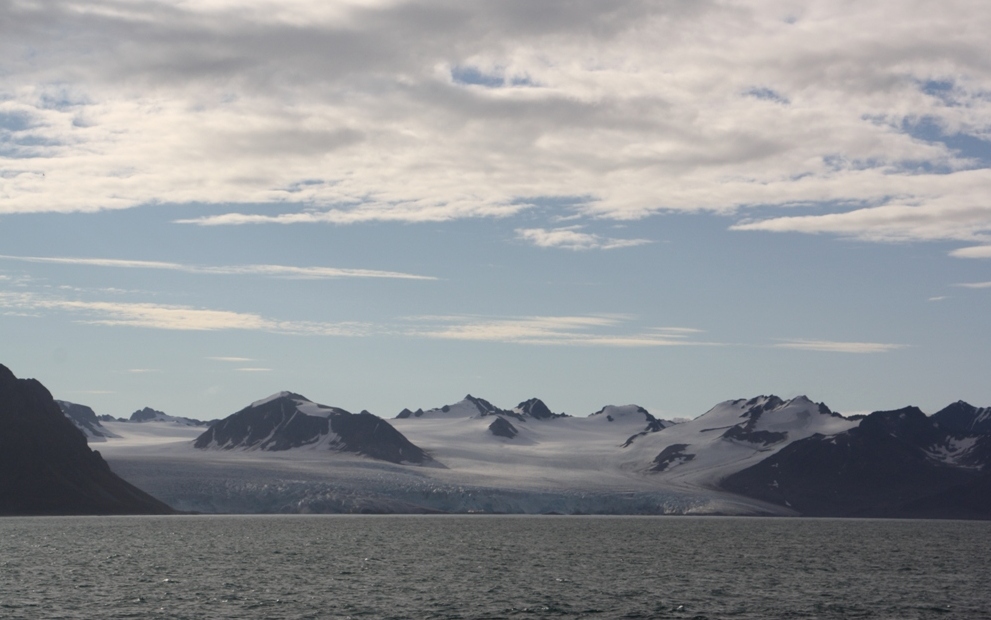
[(832, 346), (172, 317), (276, 271), (594, 330)]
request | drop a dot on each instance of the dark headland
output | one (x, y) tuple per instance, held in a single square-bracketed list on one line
[(46, 467)]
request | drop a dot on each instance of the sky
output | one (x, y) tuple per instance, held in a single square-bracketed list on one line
[(382, 204)]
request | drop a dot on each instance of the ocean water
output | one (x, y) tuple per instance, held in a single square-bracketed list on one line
[(449, 567)]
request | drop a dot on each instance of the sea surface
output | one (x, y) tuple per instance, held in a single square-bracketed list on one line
[(449, 567)]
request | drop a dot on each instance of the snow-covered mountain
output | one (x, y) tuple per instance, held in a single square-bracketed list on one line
[(528, 447), (287, 453), (731, 436), (286, 421), (524, 420)]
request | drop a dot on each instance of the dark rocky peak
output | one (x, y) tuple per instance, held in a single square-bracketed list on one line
[(484, 407), (272, 425), (608, 411), (535, 408), (962, 417), (371, 436), (824, 410), (406, 413), (500, 427), (146, 414), (153, 415), (653, 424), (285, 421), (908, 424), (759, 404)]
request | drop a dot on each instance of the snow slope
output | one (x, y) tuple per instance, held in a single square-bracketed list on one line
[(731, 436)]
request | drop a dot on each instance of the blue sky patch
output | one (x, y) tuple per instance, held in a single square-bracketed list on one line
[(767, 94), (474, 77), (965, 145)]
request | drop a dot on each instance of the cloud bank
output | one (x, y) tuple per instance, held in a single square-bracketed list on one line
[(430, 110)]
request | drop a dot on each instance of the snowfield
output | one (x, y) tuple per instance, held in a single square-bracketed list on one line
[(619, 460)]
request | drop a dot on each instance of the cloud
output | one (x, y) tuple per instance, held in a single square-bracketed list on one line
[(938, 298), (838, 347), (570, 238), (980, 251), (965, 216), (577, 330), (606, 331), (173, 317), (142, 370), (236, 360), (974, 284), (275, 271), (430, 110), (591, 330)]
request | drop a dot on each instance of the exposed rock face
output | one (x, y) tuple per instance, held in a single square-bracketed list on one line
[(287, 421), (961, 417), (484, 406), (46, 468), (893, 464), (674, 453), (502, 428), (146, 414), (535, 408)]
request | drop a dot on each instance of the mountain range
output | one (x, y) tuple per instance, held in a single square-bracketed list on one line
[(761, 455)]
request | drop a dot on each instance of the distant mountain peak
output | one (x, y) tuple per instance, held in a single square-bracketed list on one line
[(146, 414), (962, 417), (277, 396), (287, 421), (535, 408)]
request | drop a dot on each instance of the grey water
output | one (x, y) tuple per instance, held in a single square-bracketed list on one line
[(450, 567)]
